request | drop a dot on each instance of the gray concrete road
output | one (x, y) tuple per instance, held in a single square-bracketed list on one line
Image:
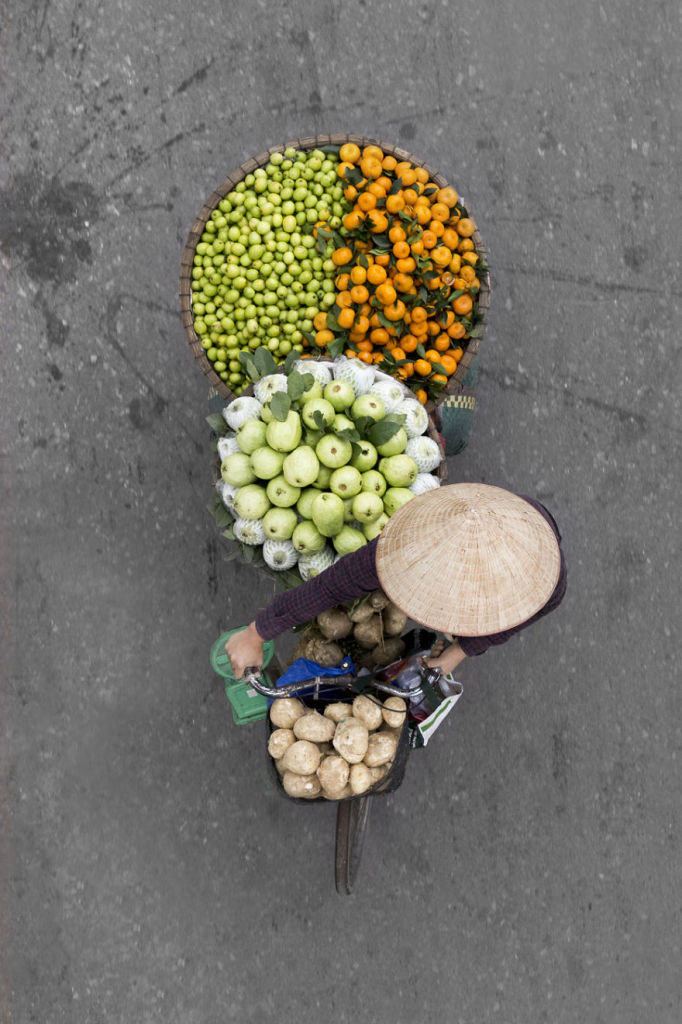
[(528, 871)]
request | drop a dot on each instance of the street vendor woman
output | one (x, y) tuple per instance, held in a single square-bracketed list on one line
[(474, 562)]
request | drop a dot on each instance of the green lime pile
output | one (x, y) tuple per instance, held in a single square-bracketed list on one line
[(258, 278)]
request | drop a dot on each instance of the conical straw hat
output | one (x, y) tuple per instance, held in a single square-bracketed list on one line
[(468, 559)]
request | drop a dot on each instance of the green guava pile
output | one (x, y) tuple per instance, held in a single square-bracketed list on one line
[(317, 460)]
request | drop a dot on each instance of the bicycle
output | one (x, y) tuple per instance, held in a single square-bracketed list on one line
[(352, 816)]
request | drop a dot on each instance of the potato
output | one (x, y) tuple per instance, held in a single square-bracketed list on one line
[(361, 611), (338, 711), (360, 778), (279, 742), (285, 711), (389, 650), (345, 792), (333, 774), (279, 767), (325, 652), (378, 600), (350, 740), (315, 727), (381, 748), (368, 711), (394, 620), (335, 623), (302, 757), (394, 712), (305, 786), (369, 633), (380, 772)]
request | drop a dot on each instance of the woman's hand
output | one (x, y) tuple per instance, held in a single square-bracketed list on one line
[(245, 650), (448, 661)]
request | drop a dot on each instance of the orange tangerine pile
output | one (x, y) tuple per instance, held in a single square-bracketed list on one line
[(407, 284)]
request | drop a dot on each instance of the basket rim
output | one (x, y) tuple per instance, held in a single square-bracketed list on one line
[(304, 143)]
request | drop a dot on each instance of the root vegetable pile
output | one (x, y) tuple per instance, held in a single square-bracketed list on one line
[(344, 752), (367, 630)]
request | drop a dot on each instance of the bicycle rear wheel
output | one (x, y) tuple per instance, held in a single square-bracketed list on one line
[(352, 817)]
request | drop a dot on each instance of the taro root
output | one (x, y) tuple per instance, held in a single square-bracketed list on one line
[(394, 620), (368, 711), (360, 778), (381, 748), (285, 711), (279, 742), (302, 757), (315, 727), (389, 650), (338, 711), (369, 632), (394, 712), (334, 624), (361, 611), (378, 600), (301, 786), (333, 774), (350, 740)]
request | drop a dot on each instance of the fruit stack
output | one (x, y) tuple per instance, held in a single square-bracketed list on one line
[(316, 460)]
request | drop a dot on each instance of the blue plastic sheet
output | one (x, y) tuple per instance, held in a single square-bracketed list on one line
[(303, 668)]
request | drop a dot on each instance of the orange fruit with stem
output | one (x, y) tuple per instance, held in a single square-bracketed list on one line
[(376, 274), (359, 294), (322, 338), (422, 367), (395, 310), (346, 317), (377, 221), (456, 330), (386, 294), (463, 305), (349, 152), (465, 227), (342, 256)]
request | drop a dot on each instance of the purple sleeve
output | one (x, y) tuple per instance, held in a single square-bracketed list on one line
[(351, 577), (475, 645)]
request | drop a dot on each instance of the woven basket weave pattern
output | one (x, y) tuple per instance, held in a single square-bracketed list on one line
[(308, 142)]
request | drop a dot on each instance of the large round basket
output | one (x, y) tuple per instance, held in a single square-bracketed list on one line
[(313, 142)]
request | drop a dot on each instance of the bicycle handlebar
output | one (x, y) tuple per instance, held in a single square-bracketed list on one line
[(345, 681)]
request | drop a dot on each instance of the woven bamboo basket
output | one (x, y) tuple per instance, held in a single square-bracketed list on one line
[(313, 142)]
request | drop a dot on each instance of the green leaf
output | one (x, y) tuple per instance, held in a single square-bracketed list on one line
[(290, 360), (318, 420), (421, 351), (382, 432), (363, 261), (310, 338), (396, 417), (477, 332), (217, 423), (363, 423), (335, 347), (295, 386), (308, 381), (352, 176), (280, 404), (248, 552), (229, 533), (383, 319), (252, 370), (348, 435), (438, 368), (382, 241), (264, 361), (396, 186), (333, 323), (222, 516)]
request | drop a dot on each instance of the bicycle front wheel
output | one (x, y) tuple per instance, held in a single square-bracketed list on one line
[(352, 817)]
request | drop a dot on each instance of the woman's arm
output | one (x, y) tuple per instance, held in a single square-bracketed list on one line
[(448, 661), (352, 576)]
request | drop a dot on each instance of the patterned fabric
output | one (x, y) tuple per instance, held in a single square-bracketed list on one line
[(455, 414), (349, 578), (355, 575)]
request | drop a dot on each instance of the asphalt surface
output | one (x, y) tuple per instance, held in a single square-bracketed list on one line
[(528, 870)]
